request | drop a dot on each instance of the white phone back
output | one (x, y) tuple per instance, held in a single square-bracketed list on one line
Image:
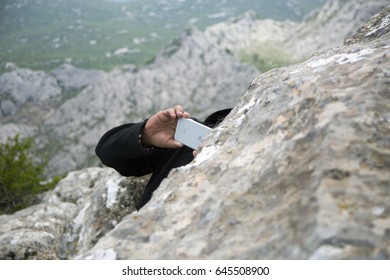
[(190, 132)]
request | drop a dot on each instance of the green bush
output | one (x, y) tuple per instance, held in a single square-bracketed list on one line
[(21, 175)]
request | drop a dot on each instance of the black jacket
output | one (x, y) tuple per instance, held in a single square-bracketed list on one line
[(120, 149)]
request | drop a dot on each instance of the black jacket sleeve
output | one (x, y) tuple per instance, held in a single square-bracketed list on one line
[(120, 149)]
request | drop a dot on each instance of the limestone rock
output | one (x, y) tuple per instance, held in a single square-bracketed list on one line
[(71, 218), (298, 170), (27, 96), (11, 129), (24, 85), (75, 79), (376, 27)]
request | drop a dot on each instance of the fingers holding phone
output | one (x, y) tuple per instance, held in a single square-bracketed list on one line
[(159, 130)]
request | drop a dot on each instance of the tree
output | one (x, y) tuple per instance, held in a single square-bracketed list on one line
[(21, 175)]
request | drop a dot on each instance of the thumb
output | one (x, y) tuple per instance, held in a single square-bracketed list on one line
[(172, 143)]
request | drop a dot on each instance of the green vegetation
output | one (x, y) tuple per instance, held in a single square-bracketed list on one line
[(101, 34), (21, 176), (266, 57)]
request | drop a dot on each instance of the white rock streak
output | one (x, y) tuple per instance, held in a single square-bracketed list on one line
[(112, 191), (341, 59)]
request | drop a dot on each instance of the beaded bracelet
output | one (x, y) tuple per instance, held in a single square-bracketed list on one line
[(149, 148)]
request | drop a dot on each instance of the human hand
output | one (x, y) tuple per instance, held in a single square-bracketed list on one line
[(160, 129), (197, 151)]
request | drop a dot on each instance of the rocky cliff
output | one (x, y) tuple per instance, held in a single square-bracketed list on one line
[(298, 170), (68, 109)]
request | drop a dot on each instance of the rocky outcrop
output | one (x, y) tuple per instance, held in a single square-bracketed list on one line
[(298, 170), (70, 219), (24, 89), (73, 79), (28, 98)]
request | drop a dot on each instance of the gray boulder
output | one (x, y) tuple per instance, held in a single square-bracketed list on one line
[(70, 219)]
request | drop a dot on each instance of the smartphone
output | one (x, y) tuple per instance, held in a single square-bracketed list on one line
[(190, 133)]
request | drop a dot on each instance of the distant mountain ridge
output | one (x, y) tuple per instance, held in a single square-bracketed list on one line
[(68, 109)]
